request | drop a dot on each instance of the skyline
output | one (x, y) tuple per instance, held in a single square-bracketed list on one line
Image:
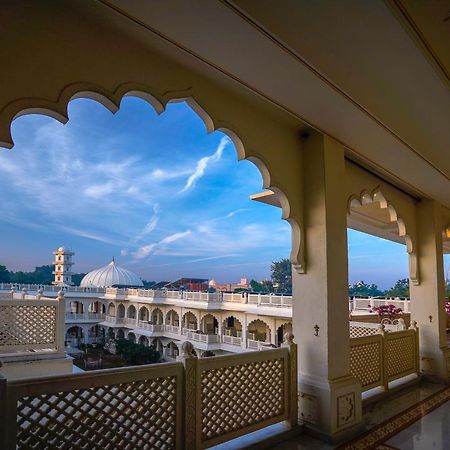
[(156, 192)]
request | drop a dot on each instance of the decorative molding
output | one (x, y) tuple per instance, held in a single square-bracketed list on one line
[(377, 196), (345, 409)]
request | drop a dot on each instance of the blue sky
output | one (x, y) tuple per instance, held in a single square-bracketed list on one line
[(158, 193)]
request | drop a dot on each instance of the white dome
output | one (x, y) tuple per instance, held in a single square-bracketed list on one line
[(110, 275), (61, 249)]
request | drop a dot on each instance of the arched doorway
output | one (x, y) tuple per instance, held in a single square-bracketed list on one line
[(157, 317), (131, 312), (144, 314), (112, 310), (172, 350), (74, 336), (172, 318), (143, 340), (232, 327), (121, 311), (120, 334), (258, 330), (281, 331), (209, 324), (190, 321)]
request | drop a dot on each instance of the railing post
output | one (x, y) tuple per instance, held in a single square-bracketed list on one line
[(8, 425), (293, 384), (383, 357), (60, 318), (191, 381), (416, 330)]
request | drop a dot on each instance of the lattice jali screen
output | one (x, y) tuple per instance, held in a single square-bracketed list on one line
[(135, 415), (241, 395), (400, 354), (366, 359), (356, 331), (32, 326)]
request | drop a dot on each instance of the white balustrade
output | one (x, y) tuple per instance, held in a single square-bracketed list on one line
[(173, 329), (232, 340), (31, 324)]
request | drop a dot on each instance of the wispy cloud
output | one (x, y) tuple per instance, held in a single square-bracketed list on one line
[(210, 258), (111, 183), (146, 250), (202, 165), (89, 235), (99, 190)]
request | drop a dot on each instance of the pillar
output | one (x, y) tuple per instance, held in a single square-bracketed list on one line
[(244, 331), (427, 298), (329, 397)]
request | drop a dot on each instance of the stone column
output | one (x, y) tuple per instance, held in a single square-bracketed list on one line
[(244, 331), (85, 310), (427, 298), (330, 398)]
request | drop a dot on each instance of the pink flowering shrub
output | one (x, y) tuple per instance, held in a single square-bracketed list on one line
[(390, 311), (447, 307)]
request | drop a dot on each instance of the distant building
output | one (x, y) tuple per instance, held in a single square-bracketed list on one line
[(189, 284), (243, 284), (63, 267)]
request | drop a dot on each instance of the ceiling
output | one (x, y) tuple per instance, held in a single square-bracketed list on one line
[(373, 75)]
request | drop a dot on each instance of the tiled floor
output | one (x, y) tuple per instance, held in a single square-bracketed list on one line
[(399, 414), (431, 432)]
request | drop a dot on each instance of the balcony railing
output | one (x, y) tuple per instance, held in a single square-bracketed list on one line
[(84, 317), (193, 403), (31, 324), (150, 327), (369, 303), (378, 359), (198, 337), (232, 340), (173, 329), (50, 288)]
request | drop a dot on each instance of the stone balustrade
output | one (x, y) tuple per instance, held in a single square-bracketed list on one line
[(380, 358), (84, 317), (50, 288), (30, 324), (40, 410)]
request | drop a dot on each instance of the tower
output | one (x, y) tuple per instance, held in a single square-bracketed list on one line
[(63, 267)]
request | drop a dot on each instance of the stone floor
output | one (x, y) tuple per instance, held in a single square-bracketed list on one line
[(410, 411), (428, 430)]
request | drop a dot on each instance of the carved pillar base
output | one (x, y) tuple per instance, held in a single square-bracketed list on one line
[(330, 409), (436, 365)]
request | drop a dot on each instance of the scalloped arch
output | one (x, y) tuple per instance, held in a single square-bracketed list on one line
[(377, 196), (58, 110)]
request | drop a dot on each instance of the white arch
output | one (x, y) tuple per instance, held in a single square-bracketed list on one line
[(377, 196), (111, 100)]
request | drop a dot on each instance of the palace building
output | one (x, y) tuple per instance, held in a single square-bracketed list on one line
[(344, 108)]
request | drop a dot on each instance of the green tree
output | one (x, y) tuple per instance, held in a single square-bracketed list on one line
[(77, 277), (264, 286), (282, 275), (5, 275), (137, 354), (42, 275), (361, 289), (400, 289)]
